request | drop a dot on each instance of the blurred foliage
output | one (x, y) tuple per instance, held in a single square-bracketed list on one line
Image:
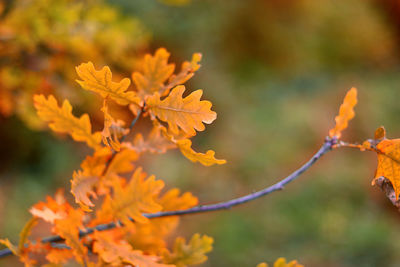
[(42, 41), (276, 72)]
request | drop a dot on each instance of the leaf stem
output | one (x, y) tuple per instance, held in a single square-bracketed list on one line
[(326, 147)]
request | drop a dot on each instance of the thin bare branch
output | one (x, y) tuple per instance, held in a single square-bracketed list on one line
[(326, 147)]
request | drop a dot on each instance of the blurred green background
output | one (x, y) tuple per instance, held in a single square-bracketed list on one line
[(276, 72)]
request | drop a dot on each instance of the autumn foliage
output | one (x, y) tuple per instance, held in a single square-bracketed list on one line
[(108, 187), (115, 221)]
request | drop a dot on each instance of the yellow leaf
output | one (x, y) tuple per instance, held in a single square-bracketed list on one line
[(263, 264), (150, 237), (131, 200), (389, 162), (189, 254), (62, 120), (188, 113), (101, 83), (346, 113), (117, 252), (206, 159)]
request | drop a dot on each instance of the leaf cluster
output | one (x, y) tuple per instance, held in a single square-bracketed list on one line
[(108, 187)]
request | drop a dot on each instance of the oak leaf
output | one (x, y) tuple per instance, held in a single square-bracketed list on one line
[(189, 254), (187, 113), (132, 199), (62, 120), (117, 252), (155, 71), (150, 237), (101, 82), (91, 175), (53, 209), (156, 75), (83, 181), (207, 159), (187, 72), (388, 152), (346, 113)]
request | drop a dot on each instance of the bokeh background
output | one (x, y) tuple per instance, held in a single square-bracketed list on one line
[(276, 72)]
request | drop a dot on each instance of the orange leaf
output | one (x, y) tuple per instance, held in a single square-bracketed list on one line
[(101, 83), (389, 162), (62, 120), (52, 209), (155, 71), (131, 200), (346, 113), (206, 159), (188, 113)]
